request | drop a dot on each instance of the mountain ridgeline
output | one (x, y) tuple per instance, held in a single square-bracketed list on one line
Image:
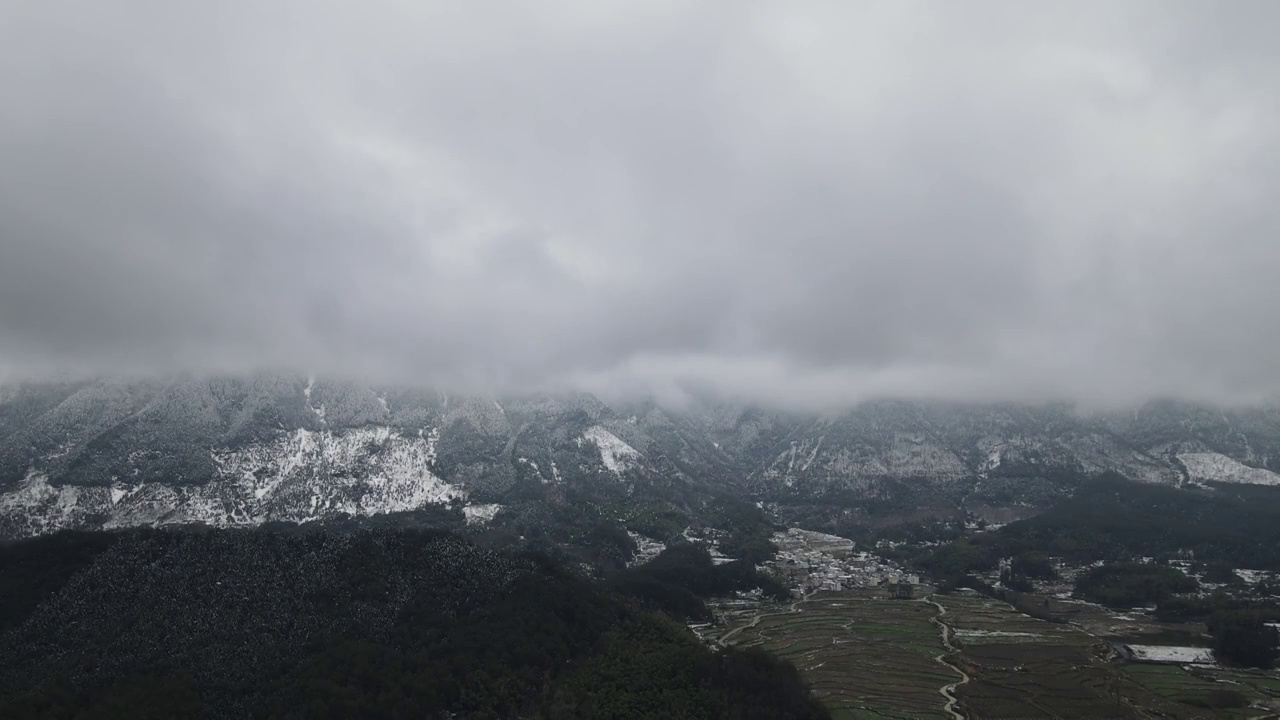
[(233, 452)]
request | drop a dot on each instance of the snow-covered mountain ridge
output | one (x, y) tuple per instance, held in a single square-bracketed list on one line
[(290, 448)]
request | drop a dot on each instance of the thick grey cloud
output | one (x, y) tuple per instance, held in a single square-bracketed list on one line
[(811, 202)]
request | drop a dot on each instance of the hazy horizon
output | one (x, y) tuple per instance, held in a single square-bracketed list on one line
[(803, 205)]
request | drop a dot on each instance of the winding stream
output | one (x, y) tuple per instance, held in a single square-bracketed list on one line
[(948, 691)]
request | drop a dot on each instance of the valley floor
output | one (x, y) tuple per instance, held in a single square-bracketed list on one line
[(964, 655)]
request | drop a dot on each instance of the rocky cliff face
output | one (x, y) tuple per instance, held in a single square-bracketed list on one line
[(289, 448)]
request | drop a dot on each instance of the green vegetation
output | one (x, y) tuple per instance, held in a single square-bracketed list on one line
[(954, 560), (1110, 519), (663, 525), (1033, 565), (1114, 520), (385, 624), (749, 530), (678, 579), (1244, 638), (1240, 629), (1127, 585), (657, 670), (36, 569), (575, 532), (1222, 574)]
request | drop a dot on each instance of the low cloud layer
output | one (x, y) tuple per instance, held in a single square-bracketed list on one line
[(804, 202)]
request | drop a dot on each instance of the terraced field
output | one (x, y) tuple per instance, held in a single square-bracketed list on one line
[(865, 656), (1027, 668), (871, 657)]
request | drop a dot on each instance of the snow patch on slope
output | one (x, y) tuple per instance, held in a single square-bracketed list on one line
[(298, 477), (994, 458), (306, 393), (542, 478), (614, 453), (1214, 467), (646, 549), (480, 514), (37, 507)]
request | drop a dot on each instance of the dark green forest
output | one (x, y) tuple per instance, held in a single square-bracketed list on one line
[(365, 624), (1130, 585), (1241, 627), (678, 580), (1111, 519)]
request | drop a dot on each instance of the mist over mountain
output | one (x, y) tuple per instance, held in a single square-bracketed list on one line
[(804, 206)]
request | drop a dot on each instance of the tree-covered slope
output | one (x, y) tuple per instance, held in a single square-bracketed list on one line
[(1113, 519), (386, 624)]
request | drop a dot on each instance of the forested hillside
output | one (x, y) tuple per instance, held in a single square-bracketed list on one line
[(1113, 519), (384, 623)]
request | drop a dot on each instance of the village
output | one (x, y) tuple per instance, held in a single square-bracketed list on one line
[(808, 561)]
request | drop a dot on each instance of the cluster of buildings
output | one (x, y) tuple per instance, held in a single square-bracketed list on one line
[(816, 561)]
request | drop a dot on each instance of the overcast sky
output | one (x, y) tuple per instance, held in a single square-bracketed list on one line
[(804, 202)]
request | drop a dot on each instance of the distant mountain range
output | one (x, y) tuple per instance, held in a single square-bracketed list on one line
[(279, 447)]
